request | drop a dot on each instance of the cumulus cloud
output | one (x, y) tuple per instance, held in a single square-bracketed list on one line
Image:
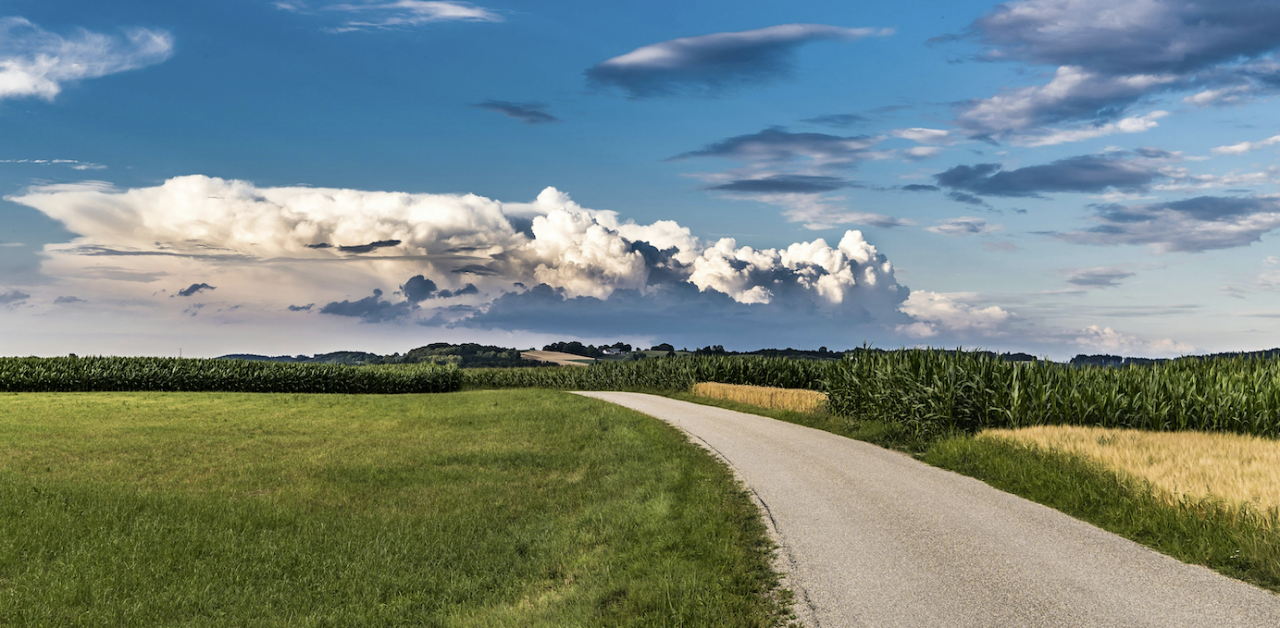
[(35, 63), (526, 112), (952, 312), (403, 13), (1110, 341), (963, 226), (1245, 147), (1097, 276), (708, 65), (1083, 174), (266, 248), (1196, 224), (68, 300), (1109, 56)]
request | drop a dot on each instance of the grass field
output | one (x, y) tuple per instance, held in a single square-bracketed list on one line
[(489, 508)]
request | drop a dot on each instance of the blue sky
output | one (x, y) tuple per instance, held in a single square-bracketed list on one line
[(304, 176)]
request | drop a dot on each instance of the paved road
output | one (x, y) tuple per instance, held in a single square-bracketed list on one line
[(875, 538)]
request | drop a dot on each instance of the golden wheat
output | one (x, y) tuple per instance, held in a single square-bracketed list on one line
[(795, 399), (1233, 469)]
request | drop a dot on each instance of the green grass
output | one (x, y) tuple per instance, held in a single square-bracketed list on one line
[(1246, 548), (1242, 547), (489, 508)]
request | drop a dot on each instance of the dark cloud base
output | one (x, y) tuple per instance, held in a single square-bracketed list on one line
[(681, 314)]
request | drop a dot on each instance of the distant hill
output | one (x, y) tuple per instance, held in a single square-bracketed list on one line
[(467, 355)]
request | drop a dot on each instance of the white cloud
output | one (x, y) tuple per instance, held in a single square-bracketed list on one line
[(923, 135), (74, 164), (1225, 95), (1245, 147), (1272, 260), (964, 226), (1053, 137), (922, 152), (400, 13), (1109, 340), (935, 311), (35, 63), (269, 248)]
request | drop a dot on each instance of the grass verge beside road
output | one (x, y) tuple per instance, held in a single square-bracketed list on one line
[(488, 508), (1194, 531)]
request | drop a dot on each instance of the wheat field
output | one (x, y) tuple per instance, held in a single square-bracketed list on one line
[(1234, 469), (795, 399)]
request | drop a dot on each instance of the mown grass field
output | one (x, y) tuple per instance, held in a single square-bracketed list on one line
[(488, 508)]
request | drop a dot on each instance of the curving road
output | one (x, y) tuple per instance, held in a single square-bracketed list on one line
[(872, 537)]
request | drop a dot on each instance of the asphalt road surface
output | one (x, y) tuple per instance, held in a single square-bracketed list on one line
[(872, 537)]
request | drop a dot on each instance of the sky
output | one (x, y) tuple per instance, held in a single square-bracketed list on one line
[(302, 176)]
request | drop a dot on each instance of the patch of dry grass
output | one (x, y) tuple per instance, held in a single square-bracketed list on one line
[(794, 399), (1235, 470)]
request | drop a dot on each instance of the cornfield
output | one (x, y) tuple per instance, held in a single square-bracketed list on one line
[(658, 374), (933, 392), (930, 392), (189, 375)]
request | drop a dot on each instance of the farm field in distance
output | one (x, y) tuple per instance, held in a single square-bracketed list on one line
[(485, 508)]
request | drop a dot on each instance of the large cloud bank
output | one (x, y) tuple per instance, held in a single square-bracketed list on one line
[(1113, 56), (459, 260)]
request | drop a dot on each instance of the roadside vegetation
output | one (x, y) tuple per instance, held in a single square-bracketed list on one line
[(1228, 525), (1241, 473), (511, 508)]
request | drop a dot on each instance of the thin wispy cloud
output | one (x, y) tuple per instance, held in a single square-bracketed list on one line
[(397, 14), (74, 164), (964, 226), (709, 65), (36, 63), (1097, 276), (526, 112), (1082, 174), (774, 147), (1193, 225)]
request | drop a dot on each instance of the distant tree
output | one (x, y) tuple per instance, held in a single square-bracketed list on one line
[(663, 347)]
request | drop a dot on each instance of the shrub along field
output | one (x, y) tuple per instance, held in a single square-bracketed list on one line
[(512, 508)]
